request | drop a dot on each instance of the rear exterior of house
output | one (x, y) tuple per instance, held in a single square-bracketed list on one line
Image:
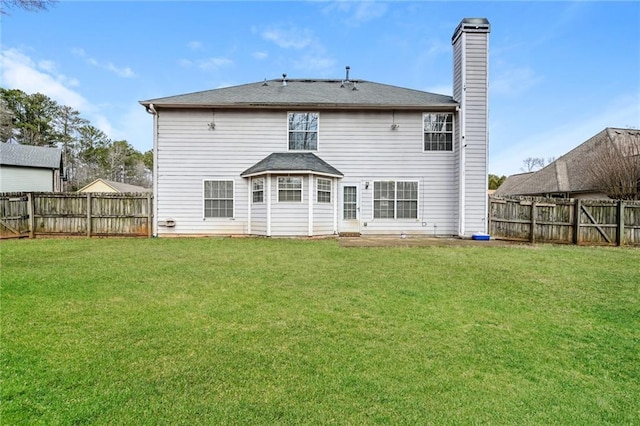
[(292, 157)]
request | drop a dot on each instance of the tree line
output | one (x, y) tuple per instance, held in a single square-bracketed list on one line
[(87, 152)]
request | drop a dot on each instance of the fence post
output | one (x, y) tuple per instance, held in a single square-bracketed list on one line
[(31, 212), (620, 227), (532, 237), (576, 221), (149, 216), (88, 214)]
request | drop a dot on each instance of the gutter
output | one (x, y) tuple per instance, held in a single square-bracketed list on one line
[(151, 110)]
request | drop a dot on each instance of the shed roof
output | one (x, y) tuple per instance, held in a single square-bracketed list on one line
[(292, 162), (283, 93), (30, 156)]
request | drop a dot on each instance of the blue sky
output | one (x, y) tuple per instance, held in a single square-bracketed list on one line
[(559, 71)]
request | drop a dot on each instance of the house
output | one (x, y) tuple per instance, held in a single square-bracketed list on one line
[(104, 185), (572, 175), (27, 168), (317, 157)]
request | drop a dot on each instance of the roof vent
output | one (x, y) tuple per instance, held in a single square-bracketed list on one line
[(347, 68), (284, 79), (265, 82)]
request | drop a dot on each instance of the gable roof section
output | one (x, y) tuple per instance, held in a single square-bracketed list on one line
[(512, 182), (292, 162), (117, 186), (30, 156), (309, 93), (569, 173)]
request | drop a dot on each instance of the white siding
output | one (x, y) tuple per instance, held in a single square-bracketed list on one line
[(471, 90), (26, 179), (476, 132), (359, 144)]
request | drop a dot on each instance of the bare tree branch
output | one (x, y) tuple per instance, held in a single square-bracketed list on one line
[(28, 5), (614, 166)]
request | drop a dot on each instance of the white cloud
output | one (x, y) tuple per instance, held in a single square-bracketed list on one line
[(357, 12), (21, 72), (125, 72), (313, 54), (260, 55), (214, 63), (194, 45), (514, 81), (289, 38)]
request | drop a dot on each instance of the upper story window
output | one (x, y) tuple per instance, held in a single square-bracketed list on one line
[(258, 190), (218, 198), (438, 131), (324, 190), (303, 131)]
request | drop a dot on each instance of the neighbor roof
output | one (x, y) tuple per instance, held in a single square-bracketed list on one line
[(287, 162), (30, 156), (569, 173), (118, 186), (309, 93)]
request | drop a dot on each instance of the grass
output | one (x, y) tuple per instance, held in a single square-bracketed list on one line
[(262, 331)]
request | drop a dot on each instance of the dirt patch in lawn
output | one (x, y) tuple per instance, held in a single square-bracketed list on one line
[(397, 241)]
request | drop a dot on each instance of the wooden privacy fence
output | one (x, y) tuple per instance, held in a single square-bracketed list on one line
[(75, 214), (573, 221)]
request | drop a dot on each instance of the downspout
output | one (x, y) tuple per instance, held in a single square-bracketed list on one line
[(151, 110), (463, 142)]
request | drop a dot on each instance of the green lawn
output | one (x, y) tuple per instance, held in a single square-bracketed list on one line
[(265, 331)]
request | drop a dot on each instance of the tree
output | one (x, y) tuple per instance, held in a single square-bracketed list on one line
[(614, 166), (495, 181), (32, 117), (532, 163), (28, 5), (6, 122), (68, 123)]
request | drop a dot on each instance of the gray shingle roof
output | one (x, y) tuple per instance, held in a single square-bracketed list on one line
[(30, 156), (569, 173), (309, 93), (292, 162)]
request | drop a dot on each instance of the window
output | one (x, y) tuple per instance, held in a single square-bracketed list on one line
[(395, 200), (258, 190), (324, 190), (438, 131), (218, 198), (303, 131), (289, 189), (349, 203)]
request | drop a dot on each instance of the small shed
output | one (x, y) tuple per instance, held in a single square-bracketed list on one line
[(27, 168), (103, 185)]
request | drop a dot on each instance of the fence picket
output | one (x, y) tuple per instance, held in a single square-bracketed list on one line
[(565, 220)]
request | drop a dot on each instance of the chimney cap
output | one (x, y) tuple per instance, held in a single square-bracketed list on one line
[(471, 25)]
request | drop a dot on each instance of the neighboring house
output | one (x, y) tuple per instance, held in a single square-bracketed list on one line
[(103, 185), (312, 157), (27, 168), (570, 176)]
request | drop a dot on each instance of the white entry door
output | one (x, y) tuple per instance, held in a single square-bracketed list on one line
[(349, 208)]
